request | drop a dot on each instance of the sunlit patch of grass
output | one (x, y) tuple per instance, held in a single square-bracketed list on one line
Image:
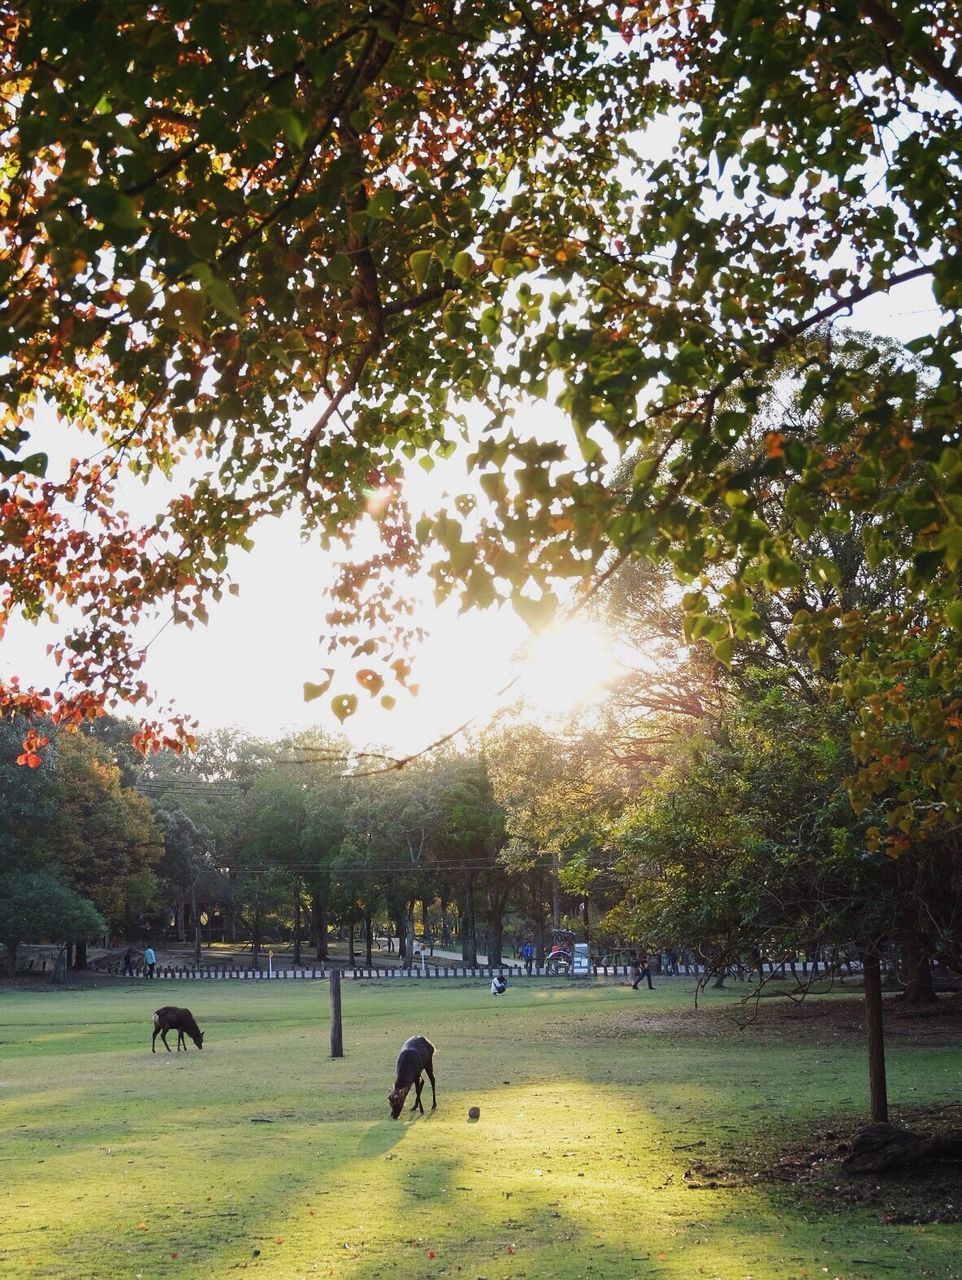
[(262, 1153)]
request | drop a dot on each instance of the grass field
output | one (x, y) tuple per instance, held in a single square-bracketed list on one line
[(597, 1103)]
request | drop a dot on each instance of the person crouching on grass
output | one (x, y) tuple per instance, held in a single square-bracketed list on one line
[(641, 968)]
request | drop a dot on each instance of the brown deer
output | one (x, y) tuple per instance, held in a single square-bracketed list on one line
[(416, 1056), (170, 1018)]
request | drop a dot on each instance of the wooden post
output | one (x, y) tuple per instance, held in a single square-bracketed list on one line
[(878, 1095), (337, 1037)]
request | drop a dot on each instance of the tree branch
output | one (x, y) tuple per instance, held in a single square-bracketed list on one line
[(888, 25)]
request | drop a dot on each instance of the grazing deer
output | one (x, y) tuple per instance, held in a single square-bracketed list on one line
[(416, 1056), (170, 1018)]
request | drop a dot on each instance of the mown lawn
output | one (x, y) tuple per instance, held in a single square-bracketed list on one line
[(600, 1110)]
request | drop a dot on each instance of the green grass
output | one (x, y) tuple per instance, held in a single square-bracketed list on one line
[(262, 1153)]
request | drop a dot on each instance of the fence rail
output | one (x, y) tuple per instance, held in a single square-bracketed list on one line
[(428, 974)]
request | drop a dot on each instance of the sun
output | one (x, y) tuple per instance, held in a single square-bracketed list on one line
[(568, 666)]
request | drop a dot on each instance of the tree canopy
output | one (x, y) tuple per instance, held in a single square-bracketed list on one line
[(294, 238)]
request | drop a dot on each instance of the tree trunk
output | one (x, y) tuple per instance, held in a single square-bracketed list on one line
[(297, 921), (12, 958), (337, 1033), (350, 943), (402, 937), (920, 989), (496, 900), (320, 918), (368, 940), (231, 913), (180, 912), (875, 1040), (195, 918), (428, 940), (537, 912), (256, 941), (555, 891), (80, 955), (410, 932), (469, 933)]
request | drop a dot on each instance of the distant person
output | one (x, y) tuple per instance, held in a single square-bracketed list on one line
[(641, 968), (671, 960), (128, 970), (150, 962), (527, 955), (499, 984)]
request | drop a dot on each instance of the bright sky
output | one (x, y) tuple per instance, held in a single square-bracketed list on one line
[(248, 666)]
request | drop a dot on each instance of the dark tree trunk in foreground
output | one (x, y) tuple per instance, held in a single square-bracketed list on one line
[(337, 1034), (875, 1040), (368, 940), (80, 955)]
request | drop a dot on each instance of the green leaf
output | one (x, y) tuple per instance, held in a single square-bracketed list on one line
[(139, 299), (295, 130), (463, 265), (419, 263), (380, 204), (223, 299), (954, 614), (723, 650), (537, 614), (340, 268)]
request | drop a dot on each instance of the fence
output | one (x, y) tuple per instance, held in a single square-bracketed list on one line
[(227, 973), (363, 973)]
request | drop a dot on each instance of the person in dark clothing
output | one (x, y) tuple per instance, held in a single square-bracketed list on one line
[(128, 970), (641, 968)]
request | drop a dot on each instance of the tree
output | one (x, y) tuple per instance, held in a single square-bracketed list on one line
[(287, 203), (106, 839), (36, 906), (470, 837), (390, 844), (188, 872), (559, 791), (387, 208), (29, 803), (278, 811), (321, 842)]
